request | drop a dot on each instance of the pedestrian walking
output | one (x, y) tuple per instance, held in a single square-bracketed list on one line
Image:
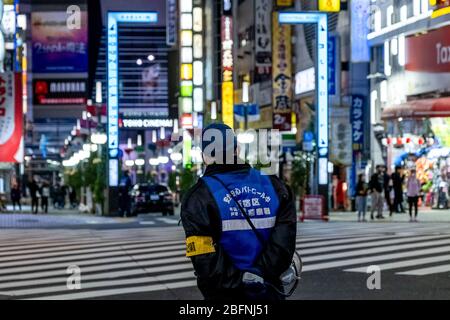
[(398, 180), (34, 189), (388, 190), (361, 198), (45, 194), (413, 192), (376, 190), (240, 225), (124, 194), (73, 197), (16, 196)]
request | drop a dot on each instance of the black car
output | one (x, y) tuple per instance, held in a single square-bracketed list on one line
[(149, 198)]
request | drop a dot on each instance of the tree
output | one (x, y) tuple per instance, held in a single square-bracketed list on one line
[(188, 178), (301, 167)]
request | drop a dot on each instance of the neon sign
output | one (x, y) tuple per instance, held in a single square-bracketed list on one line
[(114, 18), (321, 22)]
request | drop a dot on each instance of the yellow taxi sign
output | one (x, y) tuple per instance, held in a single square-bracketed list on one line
[(330, 5)]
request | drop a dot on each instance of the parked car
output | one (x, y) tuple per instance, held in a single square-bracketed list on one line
[(150, 198)]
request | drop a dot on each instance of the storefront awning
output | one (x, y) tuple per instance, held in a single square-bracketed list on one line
[(427, 108)]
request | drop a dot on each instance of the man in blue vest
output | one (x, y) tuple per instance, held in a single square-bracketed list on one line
[(240, 224)]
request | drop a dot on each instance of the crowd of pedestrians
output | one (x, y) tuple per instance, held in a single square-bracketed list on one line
[(41, 194), (387, 191)]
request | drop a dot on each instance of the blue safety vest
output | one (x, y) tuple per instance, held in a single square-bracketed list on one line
[(256, 195)]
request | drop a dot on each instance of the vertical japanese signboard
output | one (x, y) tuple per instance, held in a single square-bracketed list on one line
[(11, 119), (357, 119), (332, 64), (263, 39), (171, 22), (227, 71), (281, 75), (357, 116), (360, 15)]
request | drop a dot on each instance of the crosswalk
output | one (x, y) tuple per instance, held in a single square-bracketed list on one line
[(33, 263), (151, 220)]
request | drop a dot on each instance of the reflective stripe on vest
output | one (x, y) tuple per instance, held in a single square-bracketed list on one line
[(257, 197)]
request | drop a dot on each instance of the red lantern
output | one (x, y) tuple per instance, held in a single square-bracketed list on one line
[(389, 141), (421, 141), (399, 141)]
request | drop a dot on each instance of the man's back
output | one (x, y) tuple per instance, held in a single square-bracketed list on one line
[(210, 215)]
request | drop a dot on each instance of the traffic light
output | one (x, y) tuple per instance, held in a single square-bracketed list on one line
[(330, 5)]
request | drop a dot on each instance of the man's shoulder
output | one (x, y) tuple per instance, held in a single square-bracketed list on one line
[(194, 193), (280, 186)]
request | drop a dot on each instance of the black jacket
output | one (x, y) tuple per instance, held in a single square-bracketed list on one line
[(375, 185), (217, 277)]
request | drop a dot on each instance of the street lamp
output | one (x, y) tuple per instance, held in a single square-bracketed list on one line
[(154, 161), (175, 126), (176, 156), (139, 162), (163, 160), (245, 92), (129, 163), (99, 138), (213, 110)]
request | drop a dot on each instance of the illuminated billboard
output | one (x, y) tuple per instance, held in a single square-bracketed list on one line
[(55, 47), (321, 22), (114, 18)]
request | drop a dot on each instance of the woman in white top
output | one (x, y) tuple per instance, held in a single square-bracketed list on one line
[(413, 192)]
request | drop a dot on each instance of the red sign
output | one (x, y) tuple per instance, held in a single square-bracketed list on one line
[(60, 92), (186, 121), (429, 52), (11, 118), (313, 208), (282, 122)]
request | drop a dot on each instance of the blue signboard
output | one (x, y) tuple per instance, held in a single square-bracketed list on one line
[(357, 118), (253, 112), (332, 54), (360, 15)]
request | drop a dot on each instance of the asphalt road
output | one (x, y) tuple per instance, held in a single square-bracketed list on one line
[(149, 262)]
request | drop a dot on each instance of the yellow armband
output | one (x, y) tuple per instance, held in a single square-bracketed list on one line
[(199, 245)]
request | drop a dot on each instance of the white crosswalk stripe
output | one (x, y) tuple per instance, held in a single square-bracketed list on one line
[(33, 263)]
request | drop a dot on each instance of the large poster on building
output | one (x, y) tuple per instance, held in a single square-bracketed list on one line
[(58, 44), (427, 67), (282, 75), (360, 17), (263, 39), (11, 148), (341, 133)]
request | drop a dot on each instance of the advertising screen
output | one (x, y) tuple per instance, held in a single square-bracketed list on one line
[(57, 45)]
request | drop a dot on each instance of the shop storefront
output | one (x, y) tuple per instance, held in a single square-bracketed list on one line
[(418, 128)]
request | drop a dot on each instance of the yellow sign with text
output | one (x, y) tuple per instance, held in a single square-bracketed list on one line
[(228, 103), (330, 5), (282, 67)]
